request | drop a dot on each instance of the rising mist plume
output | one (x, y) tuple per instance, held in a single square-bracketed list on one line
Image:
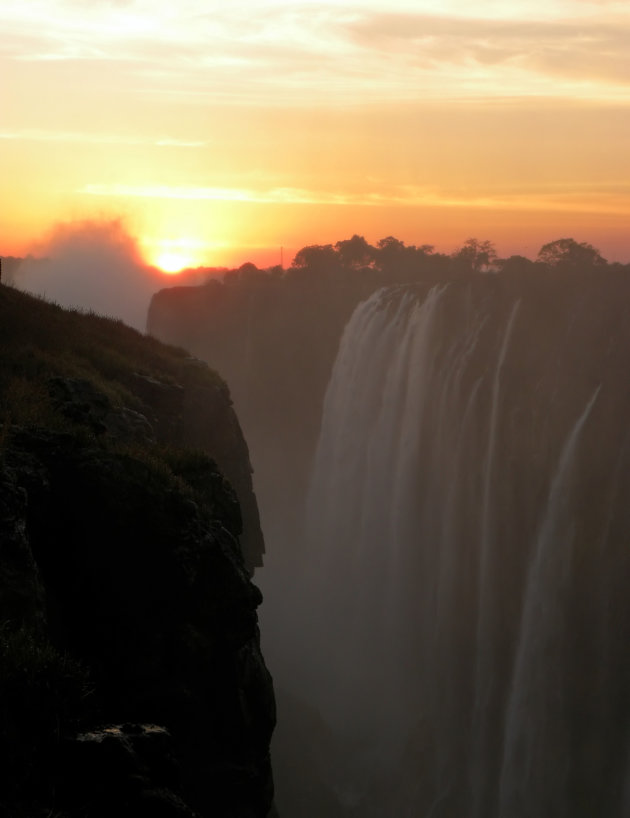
[(92, 265)]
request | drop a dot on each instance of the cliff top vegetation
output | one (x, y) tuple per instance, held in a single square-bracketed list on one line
[(390, 260), (39, 340)]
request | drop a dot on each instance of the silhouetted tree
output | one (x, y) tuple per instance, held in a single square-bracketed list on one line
[(618, 267), (318, 258), (477, 256), (400, 261), (390, 253), (355, 253), (249, 271), (570, 254), (514, 264)]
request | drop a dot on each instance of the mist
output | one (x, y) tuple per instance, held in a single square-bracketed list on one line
[(94, 265)]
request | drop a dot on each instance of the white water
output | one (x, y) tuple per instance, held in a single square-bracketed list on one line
[(485, 671), (390, 500), (432, 606), (537, 728), (361, 512)]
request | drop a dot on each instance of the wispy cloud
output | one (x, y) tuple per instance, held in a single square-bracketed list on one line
[(83, 138), (324, 51), (570, 49), (223, 194), (603, 197)]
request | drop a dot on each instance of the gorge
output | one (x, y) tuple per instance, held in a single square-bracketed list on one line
[(446, 612)]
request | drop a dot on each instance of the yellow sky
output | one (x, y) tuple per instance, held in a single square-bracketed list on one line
[(221, 131)]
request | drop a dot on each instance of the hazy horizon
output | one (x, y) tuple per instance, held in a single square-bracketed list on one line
[(220, 135), (98, 265)]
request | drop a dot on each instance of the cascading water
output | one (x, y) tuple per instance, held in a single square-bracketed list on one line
[(462, 512), (361, 504), (536, 732)]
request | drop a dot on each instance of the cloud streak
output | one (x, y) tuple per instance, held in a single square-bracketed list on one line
[(565, 48), (82, 138), (218, 194), (611, 197), (353, 51)]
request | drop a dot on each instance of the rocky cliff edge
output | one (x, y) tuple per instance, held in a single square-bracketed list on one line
[(131, 678)]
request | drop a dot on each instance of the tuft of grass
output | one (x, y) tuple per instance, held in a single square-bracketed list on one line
[(158, 470), (39, 340), (44, 695), (38, 681), (26, 401)]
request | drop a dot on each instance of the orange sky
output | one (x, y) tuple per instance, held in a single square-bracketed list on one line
[(219, 132)]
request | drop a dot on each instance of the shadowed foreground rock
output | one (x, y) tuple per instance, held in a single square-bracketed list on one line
[(131, 678), (121, 770)]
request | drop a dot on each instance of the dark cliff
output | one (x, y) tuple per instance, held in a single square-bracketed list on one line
[(274, 340), (131, 677)]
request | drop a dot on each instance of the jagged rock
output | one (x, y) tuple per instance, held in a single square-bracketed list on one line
[(21, 591), (209, 421), (127, 424), (124, 596), (165, 398), (79, 401), (149, 589), (198, 413), (125, 770)]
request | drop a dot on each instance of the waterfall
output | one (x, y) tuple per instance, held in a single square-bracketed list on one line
[(386, 512), (537, 729), (485, 671), (462, 475), (361, 506)]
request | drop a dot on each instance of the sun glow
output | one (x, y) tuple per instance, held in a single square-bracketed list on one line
[(172, 262), (172, 256)]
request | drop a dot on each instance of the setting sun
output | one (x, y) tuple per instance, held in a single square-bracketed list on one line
[(171, 256), (173, 263)]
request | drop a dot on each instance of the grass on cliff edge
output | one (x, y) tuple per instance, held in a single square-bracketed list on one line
[(39, 339)]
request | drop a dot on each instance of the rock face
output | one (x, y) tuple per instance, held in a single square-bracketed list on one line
[(121, 769), (131, 677), (199, 414), (275, 344)]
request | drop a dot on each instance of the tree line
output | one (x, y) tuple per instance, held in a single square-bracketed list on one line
[(392, 259)]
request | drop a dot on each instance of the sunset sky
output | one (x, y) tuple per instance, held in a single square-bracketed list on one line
[(219, 132)]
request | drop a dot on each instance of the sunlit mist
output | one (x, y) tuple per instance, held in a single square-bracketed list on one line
[(92, 265)]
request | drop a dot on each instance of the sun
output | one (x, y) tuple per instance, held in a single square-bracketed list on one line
[(172, 255), (171, 262)]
